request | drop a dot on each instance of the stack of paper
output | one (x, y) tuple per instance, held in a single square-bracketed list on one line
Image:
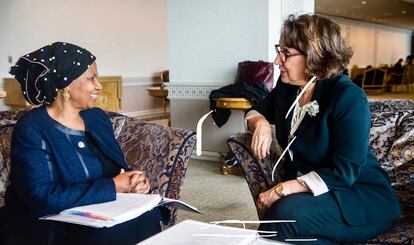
[(200, 233), (124, 208)]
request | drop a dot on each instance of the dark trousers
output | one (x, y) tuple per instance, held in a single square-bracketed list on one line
[(316, 217), (51, 232)]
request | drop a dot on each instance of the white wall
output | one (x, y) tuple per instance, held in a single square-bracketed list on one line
[(129, 37), (392, 45), (207, 39), (375, 44)]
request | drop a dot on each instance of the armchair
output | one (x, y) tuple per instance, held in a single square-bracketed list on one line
[(392, 140), (374, 79), (408, 77), (162, 152)]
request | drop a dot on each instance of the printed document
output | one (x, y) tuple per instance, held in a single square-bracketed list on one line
[(127, 206)]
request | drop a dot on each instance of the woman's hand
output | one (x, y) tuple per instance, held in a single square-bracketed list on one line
[(265, 201), (123, 180), (268, 198), (139, 183), (262, 137)]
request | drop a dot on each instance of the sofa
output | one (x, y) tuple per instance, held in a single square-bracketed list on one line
[(392, 140), (162, 152)]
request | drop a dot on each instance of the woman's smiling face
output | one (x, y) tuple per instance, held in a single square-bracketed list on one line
[(85, 89)]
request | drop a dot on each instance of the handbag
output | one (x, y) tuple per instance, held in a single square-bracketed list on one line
[(252, 72)]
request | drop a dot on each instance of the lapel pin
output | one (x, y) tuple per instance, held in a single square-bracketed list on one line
[(81, 144)]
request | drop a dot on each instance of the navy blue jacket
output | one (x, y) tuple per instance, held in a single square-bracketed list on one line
[(334, 144), (47, 175)]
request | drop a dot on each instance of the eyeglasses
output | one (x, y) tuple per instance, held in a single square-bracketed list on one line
[(284, 53)]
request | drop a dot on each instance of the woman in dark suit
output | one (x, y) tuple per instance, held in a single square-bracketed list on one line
[(64, 154), (333, 186)]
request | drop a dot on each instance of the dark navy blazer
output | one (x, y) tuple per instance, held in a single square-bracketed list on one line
[(47, 174), (334, 144)]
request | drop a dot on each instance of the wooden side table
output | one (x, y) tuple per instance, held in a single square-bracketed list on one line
[(232, 104)]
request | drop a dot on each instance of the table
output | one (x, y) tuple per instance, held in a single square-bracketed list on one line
[(232, 104)]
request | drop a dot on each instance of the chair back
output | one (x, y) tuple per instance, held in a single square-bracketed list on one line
[(408, 75), (356, 71), (7, 121), (374, 79), (164, 77)]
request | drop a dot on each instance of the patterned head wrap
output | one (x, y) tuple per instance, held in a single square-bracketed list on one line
[(44, 71)]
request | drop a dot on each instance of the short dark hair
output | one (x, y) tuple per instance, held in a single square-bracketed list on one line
[(321, 40)]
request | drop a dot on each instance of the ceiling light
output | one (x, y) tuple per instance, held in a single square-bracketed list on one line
[(364, 2)]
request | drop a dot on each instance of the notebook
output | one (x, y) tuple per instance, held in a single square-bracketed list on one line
[(125, 207), (200, 233)]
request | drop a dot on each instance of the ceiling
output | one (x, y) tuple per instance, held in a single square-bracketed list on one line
[(397, 13)]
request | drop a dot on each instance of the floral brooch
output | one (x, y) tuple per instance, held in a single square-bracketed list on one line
[(313, 108)]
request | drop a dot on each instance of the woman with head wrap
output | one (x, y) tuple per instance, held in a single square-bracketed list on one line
[(64, 154)]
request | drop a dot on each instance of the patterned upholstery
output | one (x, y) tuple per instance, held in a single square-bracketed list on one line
[(162, 152), (7, 120), (257, 172), (392, 140)]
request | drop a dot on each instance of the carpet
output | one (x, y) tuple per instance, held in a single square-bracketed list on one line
[(219, 197)]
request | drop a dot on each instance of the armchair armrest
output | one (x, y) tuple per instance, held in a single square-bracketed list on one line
[(161, 152), (258, 173)]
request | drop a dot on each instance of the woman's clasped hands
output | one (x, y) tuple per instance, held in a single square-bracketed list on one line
[(133, 181)]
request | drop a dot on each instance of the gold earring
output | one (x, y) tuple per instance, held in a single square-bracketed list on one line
[(66, 94)]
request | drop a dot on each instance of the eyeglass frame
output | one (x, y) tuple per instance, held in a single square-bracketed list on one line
[(285, 53)]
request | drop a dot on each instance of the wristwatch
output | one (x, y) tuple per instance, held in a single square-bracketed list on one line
[(279, 190)]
